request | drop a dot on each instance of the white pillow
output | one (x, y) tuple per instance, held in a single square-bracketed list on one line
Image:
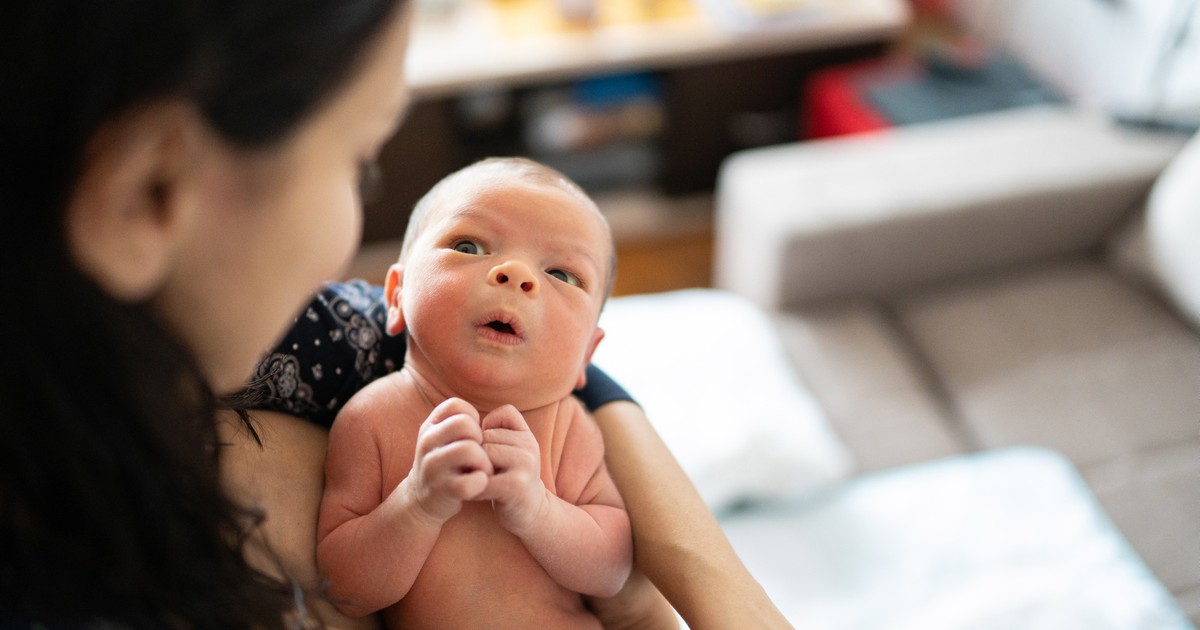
[(1173, 229), (1160, 247), (712, 376)]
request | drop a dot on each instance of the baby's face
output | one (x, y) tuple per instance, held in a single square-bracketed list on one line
[(502, 290)]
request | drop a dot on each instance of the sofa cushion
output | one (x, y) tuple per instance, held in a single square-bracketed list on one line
[(1173, 229), (868, 384), (1154, 498), (1068, 356), (878, 214), (1160, 246), (1073, 357)]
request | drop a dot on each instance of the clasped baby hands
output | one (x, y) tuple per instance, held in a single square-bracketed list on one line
[(460, 457)]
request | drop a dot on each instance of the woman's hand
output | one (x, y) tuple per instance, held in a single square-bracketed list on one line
[(639, 606)]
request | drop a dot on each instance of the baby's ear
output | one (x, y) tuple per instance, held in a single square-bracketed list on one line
[(587, 357), (391, 292)]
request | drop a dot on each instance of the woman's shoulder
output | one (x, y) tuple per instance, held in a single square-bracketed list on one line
[(337, 345), (281, 476)]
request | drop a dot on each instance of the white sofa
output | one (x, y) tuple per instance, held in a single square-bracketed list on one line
[(972, 285), (1027, 277)]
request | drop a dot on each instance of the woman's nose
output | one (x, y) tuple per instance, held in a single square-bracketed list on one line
[(514, 274)]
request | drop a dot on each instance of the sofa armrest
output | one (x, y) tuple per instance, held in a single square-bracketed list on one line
[(873, 215)]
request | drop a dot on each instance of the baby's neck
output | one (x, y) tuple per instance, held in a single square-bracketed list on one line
[(435, 389)]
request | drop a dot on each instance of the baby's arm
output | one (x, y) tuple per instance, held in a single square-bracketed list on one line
[(585, 546), (371, 551)]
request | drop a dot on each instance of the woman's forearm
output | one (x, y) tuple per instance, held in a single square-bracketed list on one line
[(677, 541)]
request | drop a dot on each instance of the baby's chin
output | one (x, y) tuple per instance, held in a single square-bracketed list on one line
[(487, 389), (491, 399)]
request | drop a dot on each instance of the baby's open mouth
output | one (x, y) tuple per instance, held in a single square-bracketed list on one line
[(500, 326)]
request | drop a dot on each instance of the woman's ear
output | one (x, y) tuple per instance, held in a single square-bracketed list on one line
[(391, 292), (125, 217), (587, 357)]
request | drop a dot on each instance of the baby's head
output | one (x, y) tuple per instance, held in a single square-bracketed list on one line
[(500, 173), (501, 278)]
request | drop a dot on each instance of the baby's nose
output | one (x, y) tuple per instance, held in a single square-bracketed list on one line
[(516, 274)]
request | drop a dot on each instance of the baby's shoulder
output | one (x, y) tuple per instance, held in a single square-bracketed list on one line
[(574, 423), (384, 400)]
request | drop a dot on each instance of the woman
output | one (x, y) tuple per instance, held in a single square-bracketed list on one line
[(184, 175)]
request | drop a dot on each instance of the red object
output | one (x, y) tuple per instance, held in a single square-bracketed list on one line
[(937, 8), (835, 102)]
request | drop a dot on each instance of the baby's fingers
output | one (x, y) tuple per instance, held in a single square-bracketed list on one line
[(457, 459), (449, 475), (452, 407), (450, 422), (505, 417)]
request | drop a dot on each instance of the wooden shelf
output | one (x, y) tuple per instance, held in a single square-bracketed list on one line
[(468, 46), (663, 243)]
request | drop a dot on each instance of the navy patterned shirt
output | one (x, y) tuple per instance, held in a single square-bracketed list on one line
[(338, 345)]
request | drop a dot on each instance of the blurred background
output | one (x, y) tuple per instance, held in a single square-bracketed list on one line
[(641, 100)]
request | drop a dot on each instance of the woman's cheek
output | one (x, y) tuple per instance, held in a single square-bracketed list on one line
[(333, 235), (350, 226)]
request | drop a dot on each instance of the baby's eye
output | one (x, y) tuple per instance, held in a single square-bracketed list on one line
[(466, 246), (565, 276)]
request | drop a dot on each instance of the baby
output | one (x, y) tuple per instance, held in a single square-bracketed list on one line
[(468, 489)]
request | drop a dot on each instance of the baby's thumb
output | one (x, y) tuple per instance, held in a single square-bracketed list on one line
[(506, 417)]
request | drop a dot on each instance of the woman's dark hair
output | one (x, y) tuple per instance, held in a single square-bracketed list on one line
[(110, 502)]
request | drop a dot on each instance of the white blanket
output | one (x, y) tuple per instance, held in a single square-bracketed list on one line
[(1006, 540), (710, 371)]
